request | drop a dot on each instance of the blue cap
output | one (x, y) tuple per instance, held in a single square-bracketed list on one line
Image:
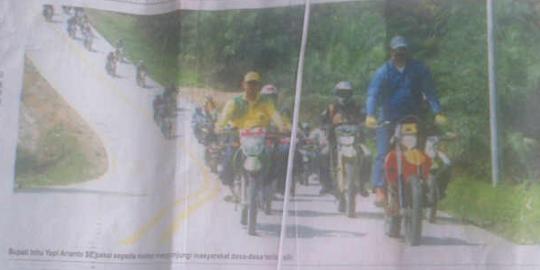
[(398, 42)]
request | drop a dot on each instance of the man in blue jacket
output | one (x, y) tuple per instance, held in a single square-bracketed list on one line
[(398, 88)]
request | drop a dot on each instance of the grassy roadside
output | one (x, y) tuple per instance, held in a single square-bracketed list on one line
[(512, 211), (59, 159), (55, 145), (159, 57)]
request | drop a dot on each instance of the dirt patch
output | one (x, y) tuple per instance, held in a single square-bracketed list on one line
[(55, 145)]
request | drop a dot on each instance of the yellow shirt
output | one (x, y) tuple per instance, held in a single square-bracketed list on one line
[(258, 113)]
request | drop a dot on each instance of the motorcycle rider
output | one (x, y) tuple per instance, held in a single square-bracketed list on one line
[(210, 108), (246, 111), (110, 66), (71, 26), (88, 35), (48, 12), (280, 152), (399, 87), (343, 109), (140, 72), (119, 50)]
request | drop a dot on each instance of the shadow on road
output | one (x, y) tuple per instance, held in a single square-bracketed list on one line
[(370, 215), (311, 200), (450, 220), (301, 231), (308, 195), (310, 213), (445, 241), (53, 191)]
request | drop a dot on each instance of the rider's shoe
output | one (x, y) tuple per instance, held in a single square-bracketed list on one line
[(363, 191), (380, 197)]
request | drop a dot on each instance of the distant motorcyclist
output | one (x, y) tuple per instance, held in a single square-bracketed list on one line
[(342, 110), (66, 9), (88, 36), (399, 87), (110, 65), (119, 50), (210, 108), (71, 26), (82, 22), (140, 73), (171, 98), (246, 111), (48, 12)]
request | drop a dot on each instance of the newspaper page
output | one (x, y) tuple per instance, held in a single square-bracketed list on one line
[(269, 134)]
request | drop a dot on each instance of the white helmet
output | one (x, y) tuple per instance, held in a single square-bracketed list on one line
[(269, 89), (343, 91), (343, 85)]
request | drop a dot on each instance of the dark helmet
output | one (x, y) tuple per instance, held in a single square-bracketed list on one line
[(343, 91)]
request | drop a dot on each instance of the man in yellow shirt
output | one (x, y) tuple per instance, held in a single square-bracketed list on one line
[(248, 110)]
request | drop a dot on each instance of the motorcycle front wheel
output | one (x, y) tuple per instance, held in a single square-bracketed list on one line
[(392, 224), (433, 197), (350, 194), (414, 211), (252, 208)]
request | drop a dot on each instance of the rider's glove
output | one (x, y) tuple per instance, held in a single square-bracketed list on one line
[(440, 119), (371, 122)]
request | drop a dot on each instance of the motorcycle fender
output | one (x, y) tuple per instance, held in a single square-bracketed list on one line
[(348, 151), (366, 150), (252, 164)]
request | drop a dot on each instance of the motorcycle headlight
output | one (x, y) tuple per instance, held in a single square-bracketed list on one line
[(409, 141), (346, 140), (252, 146)]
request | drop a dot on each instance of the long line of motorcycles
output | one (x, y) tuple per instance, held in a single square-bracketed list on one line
[(416, 178)]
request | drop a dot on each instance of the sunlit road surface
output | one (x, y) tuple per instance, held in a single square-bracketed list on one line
[(158, 206)]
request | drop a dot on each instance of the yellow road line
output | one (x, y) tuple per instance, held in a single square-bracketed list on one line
[(207, 192), (212, 193)]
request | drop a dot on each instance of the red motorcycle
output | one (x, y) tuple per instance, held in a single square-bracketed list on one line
[(407, 169)]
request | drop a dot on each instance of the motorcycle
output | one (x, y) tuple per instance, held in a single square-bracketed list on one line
[(48, 12), (119, 55), (110, 67), (253, 148), (88, 38), (71, 29), (141, 78), (352, 161), (440, 171), (67, 9), (203, 127), (165, 113), (209, 139), (309, 151), (408, 179), (281, 145)]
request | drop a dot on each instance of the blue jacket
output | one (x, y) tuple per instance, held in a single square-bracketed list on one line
[(401, 93)]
